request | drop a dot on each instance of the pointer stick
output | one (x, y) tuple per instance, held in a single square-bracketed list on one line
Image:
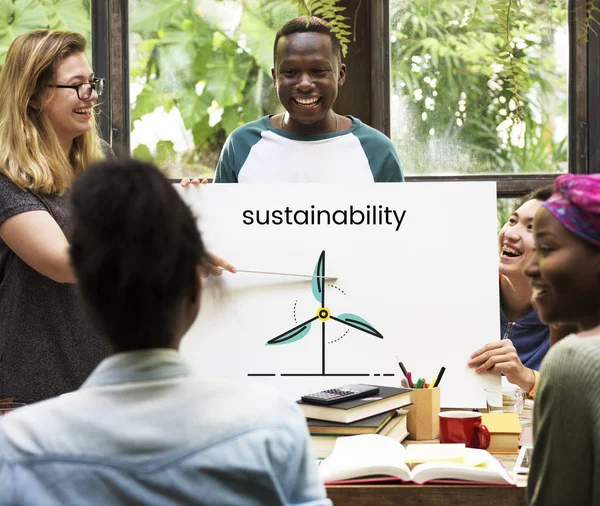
[(285, 274)]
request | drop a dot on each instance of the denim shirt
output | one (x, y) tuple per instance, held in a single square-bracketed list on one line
[(145, 429)]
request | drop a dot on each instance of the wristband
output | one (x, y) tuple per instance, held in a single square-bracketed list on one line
[(532, 390)]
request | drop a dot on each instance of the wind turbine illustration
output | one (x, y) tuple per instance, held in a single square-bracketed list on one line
[(323, 314)]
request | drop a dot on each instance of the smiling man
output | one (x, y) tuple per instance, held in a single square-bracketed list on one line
[(309, 142)]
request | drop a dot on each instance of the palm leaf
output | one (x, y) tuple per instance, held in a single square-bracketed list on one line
[(333, 12)]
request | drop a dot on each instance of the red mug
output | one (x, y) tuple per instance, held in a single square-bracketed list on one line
[(464, 427)]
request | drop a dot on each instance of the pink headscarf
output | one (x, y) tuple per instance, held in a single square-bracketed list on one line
[(576, 204)]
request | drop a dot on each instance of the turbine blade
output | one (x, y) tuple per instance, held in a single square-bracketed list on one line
[(318, 284), (356, 322), (295, 334)]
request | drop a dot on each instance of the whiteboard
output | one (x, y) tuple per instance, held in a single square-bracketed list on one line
[(411, 275)]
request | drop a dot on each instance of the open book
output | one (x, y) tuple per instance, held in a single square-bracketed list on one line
[(370, 455)]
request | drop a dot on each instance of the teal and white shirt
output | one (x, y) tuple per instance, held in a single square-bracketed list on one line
[(257, 152)]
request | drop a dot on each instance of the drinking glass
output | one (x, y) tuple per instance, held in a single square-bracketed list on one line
[(505, 400)]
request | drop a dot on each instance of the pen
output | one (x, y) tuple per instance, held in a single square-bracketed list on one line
[(432, 384), (407, 375), (402, 368), (439, 377), (409, 379), (419, 383)]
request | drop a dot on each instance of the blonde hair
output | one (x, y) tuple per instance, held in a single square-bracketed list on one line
[(30, 153)]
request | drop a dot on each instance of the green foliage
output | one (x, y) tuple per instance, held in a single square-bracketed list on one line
[(214, 71), (515, 70), (21, 16), (479, 70), (69, 15), (331, 11), (142, 152), (457, 98), (591, 19), (16, 18), (213, 65), (165, 152)]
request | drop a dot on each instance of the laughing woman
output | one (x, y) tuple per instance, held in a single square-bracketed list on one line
[(524, 338), (565, 277), (47, 137)]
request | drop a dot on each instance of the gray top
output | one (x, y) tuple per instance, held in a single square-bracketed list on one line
[(565, 468), (47, 347)]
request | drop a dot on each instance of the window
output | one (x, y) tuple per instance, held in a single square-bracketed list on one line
[(198, 71), (454, 108), (561, 130)]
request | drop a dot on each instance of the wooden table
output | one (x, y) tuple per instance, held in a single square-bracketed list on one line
[(432, 495)]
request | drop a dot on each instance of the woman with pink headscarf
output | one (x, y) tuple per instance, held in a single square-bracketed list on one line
[(565, 277)]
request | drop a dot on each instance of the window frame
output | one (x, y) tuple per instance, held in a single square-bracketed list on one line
[(368, 76), (110, 58)]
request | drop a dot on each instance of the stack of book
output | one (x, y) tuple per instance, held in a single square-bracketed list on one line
[(505, 432), (371, 415)]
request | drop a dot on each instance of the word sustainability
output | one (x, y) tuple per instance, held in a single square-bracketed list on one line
[(370, 215)]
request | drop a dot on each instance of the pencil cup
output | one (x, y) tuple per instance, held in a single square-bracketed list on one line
[(423, 422)]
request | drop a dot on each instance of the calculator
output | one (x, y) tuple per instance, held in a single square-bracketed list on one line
[(340, 394)]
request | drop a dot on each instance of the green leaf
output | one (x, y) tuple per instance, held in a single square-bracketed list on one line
[(231, 119), (202, 132), (69, 15), (193, 108), (252, 104), (149, 99), (19, 17), (165, 153), (152, 15), (330, 11), (259, 39), (142, 152), (226, 75)]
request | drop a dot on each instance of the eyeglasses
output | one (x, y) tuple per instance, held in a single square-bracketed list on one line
[(84, 90)]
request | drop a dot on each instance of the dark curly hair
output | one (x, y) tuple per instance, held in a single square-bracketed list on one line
[(315, 25), (135, 249)]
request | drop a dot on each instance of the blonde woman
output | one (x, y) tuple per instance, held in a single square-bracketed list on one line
[(47, 136)]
